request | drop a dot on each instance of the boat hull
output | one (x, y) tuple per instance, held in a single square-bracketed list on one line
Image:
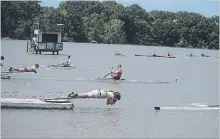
[(156, 56), (5, 75), (34, 104), (186, 108)]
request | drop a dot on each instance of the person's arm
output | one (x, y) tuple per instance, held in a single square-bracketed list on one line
[(78, 95), (117, 72), (110, 99)]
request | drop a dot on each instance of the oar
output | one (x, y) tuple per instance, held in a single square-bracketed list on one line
[(53, 66), (106, 75)]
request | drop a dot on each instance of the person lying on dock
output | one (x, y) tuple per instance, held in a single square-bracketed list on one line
[(32, 68), (116, 75), (111, 95)]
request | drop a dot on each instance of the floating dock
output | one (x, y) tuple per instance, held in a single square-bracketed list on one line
[(5, 75), (36, 103)]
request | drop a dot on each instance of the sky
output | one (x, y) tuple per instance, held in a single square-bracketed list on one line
[(205, 7)]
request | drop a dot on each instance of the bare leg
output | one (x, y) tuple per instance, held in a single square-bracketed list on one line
[(78, 95), (18, 70), (109, 77), (82, 95)]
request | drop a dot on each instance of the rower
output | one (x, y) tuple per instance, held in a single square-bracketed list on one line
[(111, 95), (67, 63), (117, 53), (169, 54), (116, 75), (2, 58), (32, 68), (154, 54)]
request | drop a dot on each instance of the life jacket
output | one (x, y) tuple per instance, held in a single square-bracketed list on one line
[(32, 68), (108, 90)]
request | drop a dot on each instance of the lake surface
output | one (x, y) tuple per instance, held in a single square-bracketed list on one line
[(134, 116)]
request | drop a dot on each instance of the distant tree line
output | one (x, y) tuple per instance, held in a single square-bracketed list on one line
[(111, 23)]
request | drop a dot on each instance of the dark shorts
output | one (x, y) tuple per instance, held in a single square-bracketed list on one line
[(31, 70), (116, 78), (26, 69)]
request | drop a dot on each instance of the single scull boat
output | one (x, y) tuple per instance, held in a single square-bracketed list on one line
[(103, 80), (186, 108), (156, 56)]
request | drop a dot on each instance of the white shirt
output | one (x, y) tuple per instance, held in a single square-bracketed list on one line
[(34, 39), (69, 61)]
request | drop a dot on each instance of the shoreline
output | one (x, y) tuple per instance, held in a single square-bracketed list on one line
[(136, 45)]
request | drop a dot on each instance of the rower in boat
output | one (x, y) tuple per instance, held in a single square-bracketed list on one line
[(118, 54), (204, 55), (32, 68), (111, 95), (155, 55), (65, 64), (116, 75), (169, 54), (191, 55)]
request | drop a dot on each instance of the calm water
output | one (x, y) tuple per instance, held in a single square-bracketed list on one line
[(134, 115)]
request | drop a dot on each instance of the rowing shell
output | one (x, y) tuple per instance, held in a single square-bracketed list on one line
[(148, 55), (61, 67), (36, 103), (105, 79), (186, 108), (156, 56)]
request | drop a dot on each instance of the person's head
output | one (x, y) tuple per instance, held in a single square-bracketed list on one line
[(35, 35), (119, 66), (68, 57), (117, 96)]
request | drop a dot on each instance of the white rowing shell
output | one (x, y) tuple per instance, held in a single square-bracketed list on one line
[(100, 80), (186, 108)]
